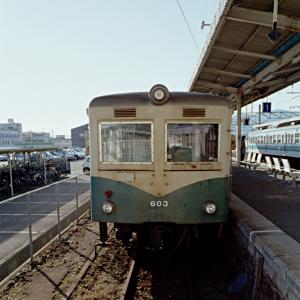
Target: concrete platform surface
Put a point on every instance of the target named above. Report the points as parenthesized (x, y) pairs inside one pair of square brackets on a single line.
[(275, 199)]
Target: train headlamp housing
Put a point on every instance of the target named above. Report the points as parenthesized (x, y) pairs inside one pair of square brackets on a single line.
[(159, 94), (210, 207), (108, 207)]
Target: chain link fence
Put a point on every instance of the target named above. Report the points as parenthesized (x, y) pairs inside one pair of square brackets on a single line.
[(31, 220)]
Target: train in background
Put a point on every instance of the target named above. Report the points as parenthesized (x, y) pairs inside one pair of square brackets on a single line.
[(280, 139), (160, 164)]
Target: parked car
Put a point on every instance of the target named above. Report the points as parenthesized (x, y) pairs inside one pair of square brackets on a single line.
[(69, 154), (78, 154), (86, 165), (3, 157)]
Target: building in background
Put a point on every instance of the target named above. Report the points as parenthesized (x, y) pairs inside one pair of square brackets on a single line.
[(79, 135), (62, 142), (37, 139), (10, 134)]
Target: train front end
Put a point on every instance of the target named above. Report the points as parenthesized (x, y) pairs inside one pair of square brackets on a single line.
[(159, 160)]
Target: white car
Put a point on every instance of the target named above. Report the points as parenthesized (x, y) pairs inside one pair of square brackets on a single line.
[(86, 165), (3, 157)]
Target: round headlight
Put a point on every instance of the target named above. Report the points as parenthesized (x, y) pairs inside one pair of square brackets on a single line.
[(107, 208), (210, 207), (159, 94)]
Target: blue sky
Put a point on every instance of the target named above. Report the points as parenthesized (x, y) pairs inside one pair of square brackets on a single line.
[(55, 56)]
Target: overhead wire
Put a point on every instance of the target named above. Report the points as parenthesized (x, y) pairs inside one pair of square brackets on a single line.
[(188, 26)]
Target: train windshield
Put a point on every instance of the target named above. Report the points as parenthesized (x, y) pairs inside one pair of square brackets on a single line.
[(126, 142), (190, 142)]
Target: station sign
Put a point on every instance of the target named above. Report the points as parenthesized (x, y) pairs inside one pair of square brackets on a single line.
[(266, 107)]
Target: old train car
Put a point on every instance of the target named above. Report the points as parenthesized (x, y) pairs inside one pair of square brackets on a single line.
[(280, 138), (160, 161)]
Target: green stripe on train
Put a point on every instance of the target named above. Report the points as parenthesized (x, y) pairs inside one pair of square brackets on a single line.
[(185, 205)]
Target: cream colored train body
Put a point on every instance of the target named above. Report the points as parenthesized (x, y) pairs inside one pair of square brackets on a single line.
[(159, 161)]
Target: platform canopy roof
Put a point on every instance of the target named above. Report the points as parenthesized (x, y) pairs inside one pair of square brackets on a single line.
[(240, 59)]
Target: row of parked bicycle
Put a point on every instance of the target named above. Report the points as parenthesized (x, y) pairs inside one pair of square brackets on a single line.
[(275, 165), (28, 176)]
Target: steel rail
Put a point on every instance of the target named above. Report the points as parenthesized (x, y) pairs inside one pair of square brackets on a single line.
[(125, 289), (84, 269)]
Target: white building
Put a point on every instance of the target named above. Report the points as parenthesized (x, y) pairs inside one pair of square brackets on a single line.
[(62, 142), (37, 139), (10, 134)]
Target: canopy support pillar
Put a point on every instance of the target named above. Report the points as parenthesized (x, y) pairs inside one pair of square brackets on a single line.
[(238, 128)]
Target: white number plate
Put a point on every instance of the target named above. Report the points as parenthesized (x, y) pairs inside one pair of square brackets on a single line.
[(159, 203)]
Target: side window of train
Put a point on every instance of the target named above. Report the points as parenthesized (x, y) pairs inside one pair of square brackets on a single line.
[(297, 137), (192, 142)]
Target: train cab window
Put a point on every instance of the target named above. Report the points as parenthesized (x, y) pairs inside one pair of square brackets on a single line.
[(192, 142), (124, 142)]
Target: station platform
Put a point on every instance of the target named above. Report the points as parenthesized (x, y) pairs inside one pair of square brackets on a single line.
[(277, 200)]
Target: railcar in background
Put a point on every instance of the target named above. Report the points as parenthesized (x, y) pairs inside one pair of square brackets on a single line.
[(160, 164), (280, 139)]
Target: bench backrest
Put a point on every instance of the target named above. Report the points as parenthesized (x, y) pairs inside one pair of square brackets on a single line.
[(258, 160), (286, 165), (253, 158), (248, 157), (277, 164), (269, 162)]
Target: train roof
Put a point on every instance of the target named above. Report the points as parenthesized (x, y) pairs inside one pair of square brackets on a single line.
[(280, 123), (140, 99)]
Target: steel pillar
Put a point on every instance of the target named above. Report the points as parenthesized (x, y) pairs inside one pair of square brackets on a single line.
[(10, 175), (238, 128)]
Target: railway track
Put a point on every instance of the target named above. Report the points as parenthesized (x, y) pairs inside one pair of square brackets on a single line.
[(85, 267), (141, 282), (190, 274), (129, 281), (74, 269)]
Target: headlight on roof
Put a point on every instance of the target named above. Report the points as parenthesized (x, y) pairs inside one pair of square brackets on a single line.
[(159, 94), (210, 207)]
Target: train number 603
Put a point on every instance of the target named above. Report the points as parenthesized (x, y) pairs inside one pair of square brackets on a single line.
[(159, 203)]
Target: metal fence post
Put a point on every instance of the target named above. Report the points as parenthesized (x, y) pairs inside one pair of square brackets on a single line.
[(11, 176), (28, 197), (76, 195), (45, 171), (58, 213)]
